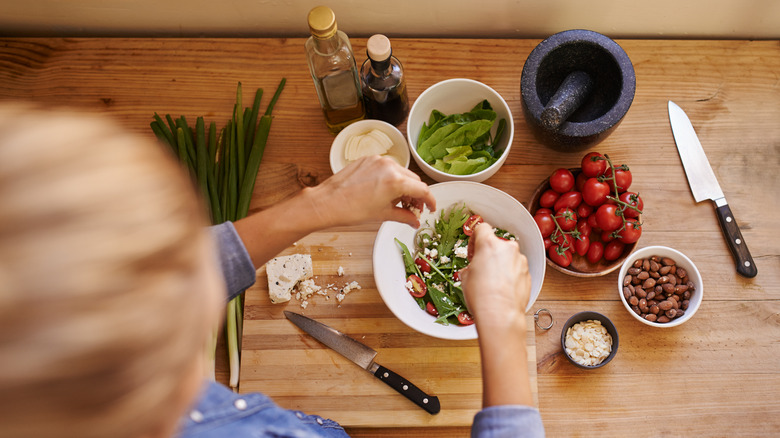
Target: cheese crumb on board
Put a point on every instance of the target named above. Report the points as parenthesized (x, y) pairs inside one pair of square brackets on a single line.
[(284, 273), (349, 287), (588, 342)]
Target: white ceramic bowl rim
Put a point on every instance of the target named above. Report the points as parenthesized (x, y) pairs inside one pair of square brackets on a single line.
[(432, 89), (680, 259)]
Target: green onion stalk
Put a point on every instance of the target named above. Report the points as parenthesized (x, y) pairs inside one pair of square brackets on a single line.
[(225, 168)]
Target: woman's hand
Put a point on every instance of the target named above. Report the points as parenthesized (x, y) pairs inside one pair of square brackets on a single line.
[(370, 189)]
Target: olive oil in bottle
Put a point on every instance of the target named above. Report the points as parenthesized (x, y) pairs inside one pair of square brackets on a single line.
[(333, 69), (384, 85)]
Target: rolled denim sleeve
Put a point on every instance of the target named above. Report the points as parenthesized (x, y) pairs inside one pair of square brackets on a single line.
[(237, 267), (508, 421)]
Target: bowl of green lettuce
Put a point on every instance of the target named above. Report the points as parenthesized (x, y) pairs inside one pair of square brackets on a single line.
[(460, 130)]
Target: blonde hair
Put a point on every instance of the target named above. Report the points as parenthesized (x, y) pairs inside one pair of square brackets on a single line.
[(101, 244)]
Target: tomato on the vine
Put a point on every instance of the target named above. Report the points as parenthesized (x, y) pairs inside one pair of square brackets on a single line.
[(632, 232), (607, 236), (547, 243), (592, 222), (584, 210), (465, 318), (583, 227), (622, 177), (570, 199), (471, 223), (562, 180), (595, 192), (613, 250), (430, 308), (548, 198), (633, 200), (594, 164), (595, 252), (418, 287), (423, 264), (562, 258), (563, 240), (545, 222), (607, 218), (581, 245), (579, 181), (566, 218)]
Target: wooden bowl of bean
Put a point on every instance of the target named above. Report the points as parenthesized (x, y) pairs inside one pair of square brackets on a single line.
[(580, 266), (660, 286)]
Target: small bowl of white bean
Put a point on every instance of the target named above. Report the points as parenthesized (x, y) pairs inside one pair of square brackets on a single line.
[(589, 340)]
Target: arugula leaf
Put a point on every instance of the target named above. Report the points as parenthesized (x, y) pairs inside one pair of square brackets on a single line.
[(411, 267)]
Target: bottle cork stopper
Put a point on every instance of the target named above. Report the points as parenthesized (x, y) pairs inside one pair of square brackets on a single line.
[(322, 22), (378, 48)]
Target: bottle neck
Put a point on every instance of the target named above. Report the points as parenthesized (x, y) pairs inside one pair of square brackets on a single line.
[(381, 68), (326, 45)]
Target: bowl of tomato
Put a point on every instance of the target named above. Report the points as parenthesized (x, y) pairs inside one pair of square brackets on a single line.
[(588, 217)]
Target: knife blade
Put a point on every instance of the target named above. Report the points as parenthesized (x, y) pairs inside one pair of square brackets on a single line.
[(704, 185), (363, 356)]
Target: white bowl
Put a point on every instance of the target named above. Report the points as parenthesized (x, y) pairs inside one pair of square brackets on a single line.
[(680, 260), (497, 208), (399, 152), (458, 96)]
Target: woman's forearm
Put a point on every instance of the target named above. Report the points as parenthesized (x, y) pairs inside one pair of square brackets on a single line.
[(504, 364)]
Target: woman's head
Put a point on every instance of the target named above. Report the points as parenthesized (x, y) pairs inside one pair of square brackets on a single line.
[(107, 285)]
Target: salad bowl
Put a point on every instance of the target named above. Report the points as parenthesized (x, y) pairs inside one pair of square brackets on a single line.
[(496, 207)]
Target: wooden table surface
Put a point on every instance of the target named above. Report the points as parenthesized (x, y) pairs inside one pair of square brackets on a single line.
[(716, 375)]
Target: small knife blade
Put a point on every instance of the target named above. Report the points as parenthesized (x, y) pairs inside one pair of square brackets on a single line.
[(363, 356), (704, 185)]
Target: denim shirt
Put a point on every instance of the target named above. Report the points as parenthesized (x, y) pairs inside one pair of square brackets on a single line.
[(221, 413)]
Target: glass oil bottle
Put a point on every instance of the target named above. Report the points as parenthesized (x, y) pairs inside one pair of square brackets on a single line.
[(384, 85), (333, 69)]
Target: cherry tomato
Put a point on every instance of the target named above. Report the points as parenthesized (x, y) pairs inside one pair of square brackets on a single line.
[(562, 258), (545, 223), (594, 164), (566, 218), (563, 240), (614, 250), (595, 192), (543, 210), (632, 232), (592, 222), (569, 199), (595, 252), (579, 182), (423, 264), (562, 180), (581, 245), (633, 200), (584, 210), (418, 288), (456, 275), (471, 223), (548, 198), (430, 308), (583, 227), (547, 243), (607, 218), (606, 236), (622, 178), (465, 318)]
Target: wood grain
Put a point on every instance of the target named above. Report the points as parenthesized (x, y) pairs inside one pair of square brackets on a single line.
[(716, 375)]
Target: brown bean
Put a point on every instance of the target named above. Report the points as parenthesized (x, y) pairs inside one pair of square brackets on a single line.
[(639, 292), (668, 288), (663, 319), (659, 289), (655, 275), (643, 305), (636, 310), (671, 313), (663, 279), (681, 287), (650, 317), (686, 295), (627, 280), (633, 271), (654, 266), (631, 288), (673, 271), (644, 275), (635, 281), (685, 304), (638, 263), (680, 313), (663, 305), (652, 302), (649, 283), (650, 295), (690, 285), (626, 293), (666, 261), (681, 273), (654, 309), (655, 259), (646, 265), (673, 279), (665, 270), (633, 301)]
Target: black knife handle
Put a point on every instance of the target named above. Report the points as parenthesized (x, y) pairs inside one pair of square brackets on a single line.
[(745, 265), (413, 393)]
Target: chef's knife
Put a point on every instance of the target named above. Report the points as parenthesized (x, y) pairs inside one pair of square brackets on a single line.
[(704, 185), (363, 356)]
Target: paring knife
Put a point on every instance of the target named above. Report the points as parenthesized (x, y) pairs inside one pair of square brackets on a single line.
[(363, 356), (704, 185)]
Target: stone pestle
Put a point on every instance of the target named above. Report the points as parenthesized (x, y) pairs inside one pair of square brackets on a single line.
[(572, 93)]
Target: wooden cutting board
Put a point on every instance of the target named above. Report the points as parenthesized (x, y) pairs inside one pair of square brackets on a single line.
[(298, 372)]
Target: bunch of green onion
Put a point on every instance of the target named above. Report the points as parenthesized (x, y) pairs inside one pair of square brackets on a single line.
[(225, 171)]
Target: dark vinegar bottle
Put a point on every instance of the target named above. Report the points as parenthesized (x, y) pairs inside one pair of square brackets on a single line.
[(383, 82)]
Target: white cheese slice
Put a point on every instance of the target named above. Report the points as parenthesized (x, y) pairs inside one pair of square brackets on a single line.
[(284, 273)]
